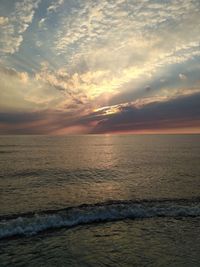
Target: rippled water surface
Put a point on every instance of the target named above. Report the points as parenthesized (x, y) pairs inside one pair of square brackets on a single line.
[(130, 200)]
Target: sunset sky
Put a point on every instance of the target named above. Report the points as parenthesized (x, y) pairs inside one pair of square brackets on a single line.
[(97, 66)]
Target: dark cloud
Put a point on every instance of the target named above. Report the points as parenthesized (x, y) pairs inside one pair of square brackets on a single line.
[(183, 111), (43, 122), (20, 117), (180, 112)]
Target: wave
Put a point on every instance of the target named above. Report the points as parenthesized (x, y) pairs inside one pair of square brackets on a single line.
[(32, 223)]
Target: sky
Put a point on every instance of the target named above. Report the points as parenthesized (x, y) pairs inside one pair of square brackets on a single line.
[(99, 66)]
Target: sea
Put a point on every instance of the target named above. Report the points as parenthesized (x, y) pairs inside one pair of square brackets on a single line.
[(100, 200)]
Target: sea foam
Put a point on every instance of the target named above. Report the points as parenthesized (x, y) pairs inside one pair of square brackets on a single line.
[(33, 223)]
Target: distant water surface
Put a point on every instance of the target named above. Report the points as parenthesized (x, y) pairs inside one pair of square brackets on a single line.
[(143, 190)]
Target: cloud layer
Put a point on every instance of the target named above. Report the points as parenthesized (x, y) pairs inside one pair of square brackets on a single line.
[(99, 66)]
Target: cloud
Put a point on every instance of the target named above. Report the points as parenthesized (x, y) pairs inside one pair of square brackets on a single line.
[(41, 22), (180, 112), (182, 77), (62, 82), (84, 63), (21, 92), (55, 5), (130, 41), (124, 23), (3, 21), (20, 117), (40, 122), (13, 27)]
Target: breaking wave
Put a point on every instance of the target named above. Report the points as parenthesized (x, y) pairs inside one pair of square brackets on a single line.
[(32, 223)]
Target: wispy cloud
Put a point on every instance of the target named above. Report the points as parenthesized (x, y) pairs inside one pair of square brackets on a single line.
[(21, 92), (55, 5), (13, 26), (131, 41)]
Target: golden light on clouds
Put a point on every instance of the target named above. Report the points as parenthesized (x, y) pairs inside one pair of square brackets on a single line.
[(83, 58)]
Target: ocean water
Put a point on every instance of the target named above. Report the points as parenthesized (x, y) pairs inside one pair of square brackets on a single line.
[(100, 200)]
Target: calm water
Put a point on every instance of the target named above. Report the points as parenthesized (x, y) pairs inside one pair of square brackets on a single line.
[(100, 200)]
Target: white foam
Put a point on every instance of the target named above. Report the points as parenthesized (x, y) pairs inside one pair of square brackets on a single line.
[(31, 225)]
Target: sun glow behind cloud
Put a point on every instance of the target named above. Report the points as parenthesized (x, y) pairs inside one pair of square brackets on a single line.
[(73, 66)]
